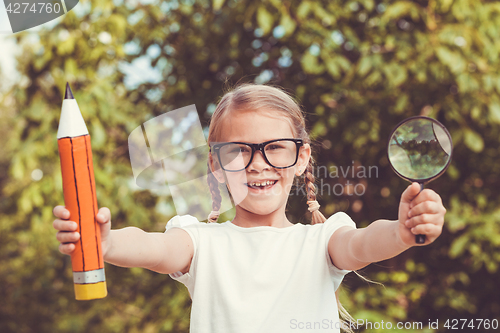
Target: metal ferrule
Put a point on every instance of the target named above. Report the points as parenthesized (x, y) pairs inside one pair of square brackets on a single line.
[(89, 277)]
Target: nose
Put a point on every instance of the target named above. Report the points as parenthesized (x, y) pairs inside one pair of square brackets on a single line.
[(258, 163)]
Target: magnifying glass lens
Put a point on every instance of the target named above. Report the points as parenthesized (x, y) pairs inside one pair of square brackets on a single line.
[(419, 149)]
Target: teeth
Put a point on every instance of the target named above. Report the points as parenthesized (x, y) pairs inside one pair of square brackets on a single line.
[(267, 182)]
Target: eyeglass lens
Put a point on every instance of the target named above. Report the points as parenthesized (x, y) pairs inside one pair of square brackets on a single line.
[(236, 156)]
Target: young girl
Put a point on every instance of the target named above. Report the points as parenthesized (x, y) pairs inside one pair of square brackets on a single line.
[(259, 272)]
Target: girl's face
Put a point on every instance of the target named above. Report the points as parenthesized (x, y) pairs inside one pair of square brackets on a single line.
[(256, 127)]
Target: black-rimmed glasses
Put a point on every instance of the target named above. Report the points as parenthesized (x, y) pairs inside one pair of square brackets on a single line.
[(237, 156)]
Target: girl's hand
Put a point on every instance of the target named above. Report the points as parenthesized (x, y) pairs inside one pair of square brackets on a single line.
[(68, 235), (420, 213)]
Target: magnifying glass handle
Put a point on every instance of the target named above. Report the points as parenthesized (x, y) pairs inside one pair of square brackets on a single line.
[(420, 239)]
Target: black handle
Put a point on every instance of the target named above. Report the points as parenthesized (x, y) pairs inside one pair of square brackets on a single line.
[(420, 239)]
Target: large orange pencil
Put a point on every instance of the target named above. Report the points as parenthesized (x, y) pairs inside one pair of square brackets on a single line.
[(80, 199)]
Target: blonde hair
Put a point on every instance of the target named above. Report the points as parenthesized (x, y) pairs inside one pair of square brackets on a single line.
[(248, 96)]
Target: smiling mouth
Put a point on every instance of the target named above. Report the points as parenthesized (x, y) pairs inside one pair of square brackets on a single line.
[(261, 185)]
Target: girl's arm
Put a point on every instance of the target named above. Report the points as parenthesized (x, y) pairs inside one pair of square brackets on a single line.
[(165, 253), (130, 247), (419, 213)]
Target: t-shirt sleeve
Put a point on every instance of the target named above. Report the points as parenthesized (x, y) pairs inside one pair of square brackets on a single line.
[(332, 224), (187, 223), (181, 221)]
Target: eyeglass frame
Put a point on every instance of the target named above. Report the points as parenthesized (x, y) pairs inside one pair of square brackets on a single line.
[(258, 146)]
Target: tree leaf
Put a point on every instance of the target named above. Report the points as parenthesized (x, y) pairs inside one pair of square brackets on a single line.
[(401, 104), (395, 74), (473, 140), (364, 66), (458, 246), (303, 9), (217, 4), (495, 112), (399, 9), (452, 60), (311, 64), (265, 20), (288, 24)]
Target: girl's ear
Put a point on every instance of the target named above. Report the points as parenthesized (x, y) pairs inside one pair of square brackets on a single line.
[(216, 169), (303, 159)]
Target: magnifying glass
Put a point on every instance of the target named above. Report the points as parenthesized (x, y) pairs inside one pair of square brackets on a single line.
[(419, 150)]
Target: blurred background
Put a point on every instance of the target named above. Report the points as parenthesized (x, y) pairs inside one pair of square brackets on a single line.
[(357, 68)]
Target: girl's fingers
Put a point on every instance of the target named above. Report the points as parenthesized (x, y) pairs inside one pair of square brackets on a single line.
[(67, 237), (425, 195), (67, 248), (426, 207), (423, 219), (63, 225), (104, 215), (430, 230), (61, 212), (410, 193)]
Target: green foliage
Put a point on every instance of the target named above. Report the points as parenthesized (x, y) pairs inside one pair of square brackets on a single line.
[(357, 67)]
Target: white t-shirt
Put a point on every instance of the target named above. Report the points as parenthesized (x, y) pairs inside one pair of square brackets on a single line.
[(262, 279)]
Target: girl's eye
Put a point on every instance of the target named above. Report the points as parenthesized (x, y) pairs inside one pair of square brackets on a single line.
[(274, 147), (239, 149)]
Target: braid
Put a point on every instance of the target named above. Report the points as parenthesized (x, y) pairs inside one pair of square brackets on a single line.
[(309, 179), (213, 184)]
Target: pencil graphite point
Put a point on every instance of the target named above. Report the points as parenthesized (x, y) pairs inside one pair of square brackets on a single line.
[(69, 93)]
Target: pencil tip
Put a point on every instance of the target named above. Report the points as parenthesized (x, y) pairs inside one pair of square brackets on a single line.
[(69, 93)]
